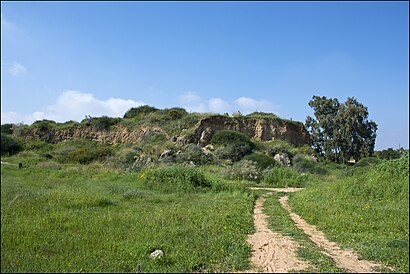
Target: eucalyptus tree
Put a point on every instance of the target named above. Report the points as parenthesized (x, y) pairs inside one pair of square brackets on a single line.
[(340, 132)]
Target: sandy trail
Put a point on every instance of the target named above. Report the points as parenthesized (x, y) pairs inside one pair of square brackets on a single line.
[(345, 259), (272, 252)]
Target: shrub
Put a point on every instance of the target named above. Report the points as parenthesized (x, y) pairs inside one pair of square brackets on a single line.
[(282, 177), (176, 113), (130, 157), (9, 145), (302, 165), (174, 179), (193, 153), (228, 137), (103, 122), (44, 124), (84, 155), (153, 138), (388, 154), (7, 128), (387, 180), (368, 161), (259, 114), (139, 111), (263, 161), (244, 170), (233, 145), (279, 146)]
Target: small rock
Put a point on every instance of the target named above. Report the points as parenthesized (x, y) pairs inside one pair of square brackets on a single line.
[(157, 254)]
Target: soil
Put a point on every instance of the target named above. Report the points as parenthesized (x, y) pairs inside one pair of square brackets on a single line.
[(273, 252), (345, 259)]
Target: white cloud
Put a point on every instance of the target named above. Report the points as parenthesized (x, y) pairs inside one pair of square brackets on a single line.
[(15, 118), (74, 105), (17, 69), (248, 105), (192, 102), (218, 105), (189, 98)]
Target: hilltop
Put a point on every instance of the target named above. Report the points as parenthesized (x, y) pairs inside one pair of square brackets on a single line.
[(173, 124)]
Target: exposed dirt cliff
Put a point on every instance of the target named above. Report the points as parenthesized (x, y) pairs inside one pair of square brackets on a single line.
[(264, 129), (116, 135)]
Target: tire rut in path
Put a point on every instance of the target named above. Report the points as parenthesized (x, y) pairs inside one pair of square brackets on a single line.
[(345, 259), (272, 252)]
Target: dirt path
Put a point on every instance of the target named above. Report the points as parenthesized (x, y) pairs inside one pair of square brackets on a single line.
[(5, 163), (272, 252), (344, 259)]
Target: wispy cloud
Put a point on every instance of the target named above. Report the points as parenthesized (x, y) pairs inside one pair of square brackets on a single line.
[(218, 105), (190, 97), (16, 69), (74, 105), (249, 105), (191, 101)]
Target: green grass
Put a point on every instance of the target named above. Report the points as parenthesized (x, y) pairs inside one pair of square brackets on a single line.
[(280, 221), (369, 212), (74, 220)]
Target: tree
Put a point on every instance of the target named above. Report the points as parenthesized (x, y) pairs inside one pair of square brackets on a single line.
[(9, 145), (341, 131)]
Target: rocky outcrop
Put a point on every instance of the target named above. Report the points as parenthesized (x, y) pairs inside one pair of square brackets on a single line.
[(264, 129)]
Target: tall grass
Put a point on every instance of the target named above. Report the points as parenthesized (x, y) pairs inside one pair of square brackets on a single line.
[(369, 212), (73, 220)]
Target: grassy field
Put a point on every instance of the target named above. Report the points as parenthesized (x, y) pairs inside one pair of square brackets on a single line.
[(368, 212), (78, 206), (79, 220)]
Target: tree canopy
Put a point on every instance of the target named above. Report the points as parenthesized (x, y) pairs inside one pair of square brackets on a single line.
[(341, 131)]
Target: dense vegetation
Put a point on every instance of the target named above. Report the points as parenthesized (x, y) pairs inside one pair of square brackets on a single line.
[(341, 131), (83, 206)]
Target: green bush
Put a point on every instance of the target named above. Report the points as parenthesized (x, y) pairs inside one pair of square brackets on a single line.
[(387, 180), (153, 138), (231, 144), (175, 179), (130, 157), (193, 153), (229, 137), (103, 122), (258, 114), (139, 112), (44, 124), (263, 161), (85, 154), (9, 145), (282, 177), (176, 113), (368, 161), (388, 154), (302, 165), (244, 170), (7, 128)]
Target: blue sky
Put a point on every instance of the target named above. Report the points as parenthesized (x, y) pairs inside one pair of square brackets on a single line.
[(65, 60)]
